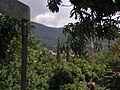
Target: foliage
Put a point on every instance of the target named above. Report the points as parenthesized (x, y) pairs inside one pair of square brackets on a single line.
[(111, 58), (65, 73), (67, 52), (10, 64), (93, 72), (76, 86), (95, 22), (45, 73), (58, 50), (8, 29), (53, 5)]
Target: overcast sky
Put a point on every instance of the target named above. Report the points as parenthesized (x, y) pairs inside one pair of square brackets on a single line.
[(41, 14)]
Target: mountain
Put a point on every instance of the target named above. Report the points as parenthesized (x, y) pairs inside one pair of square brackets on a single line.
[(48, 36)]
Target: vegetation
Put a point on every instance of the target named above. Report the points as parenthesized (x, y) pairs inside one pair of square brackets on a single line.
[(95, 22), (48, 36), (58, 50), (44, 72)]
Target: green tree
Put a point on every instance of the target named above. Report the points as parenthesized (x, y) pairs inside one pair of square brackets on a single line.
[(111, 58), (58, 50), (65, 74), (10, 62), (95, 21), (8, 29)]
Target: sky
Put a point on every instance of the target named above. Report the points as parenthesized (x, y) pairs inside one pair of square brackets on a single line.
[(41, 14)]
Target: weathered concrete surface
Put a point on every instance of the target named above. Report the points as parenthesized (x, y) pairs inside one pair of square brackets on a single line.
[(15, 9)]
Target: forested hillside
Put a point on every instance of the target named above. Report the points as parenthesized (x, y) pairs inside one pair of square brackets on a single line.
[(48, 35)]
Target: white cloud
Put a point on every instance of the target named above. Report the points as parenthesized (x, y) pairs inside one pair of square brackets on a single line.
[(41, 14), (65, 21), (53, 19), (46, 19), (45, 16)]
